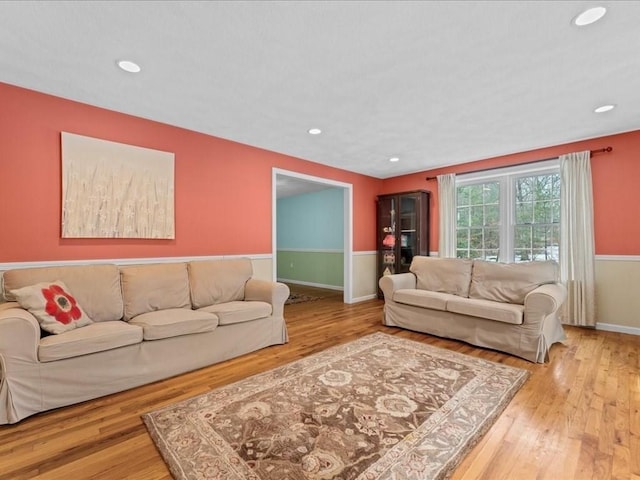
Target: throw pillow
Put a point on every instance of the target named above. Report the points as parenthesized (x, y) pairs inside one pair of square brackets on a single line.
[(446, 275), (510, 282), (54, 307)]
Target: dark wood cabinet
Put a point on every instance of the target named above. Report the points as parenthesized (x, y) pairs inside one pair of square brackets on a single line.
[(402, 230)]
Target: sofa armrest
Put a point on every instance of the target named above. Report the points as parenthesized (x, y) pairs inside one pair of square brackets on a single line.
[(19, 334), (8, 305), (544, 301), (275, 293), (390, 283)]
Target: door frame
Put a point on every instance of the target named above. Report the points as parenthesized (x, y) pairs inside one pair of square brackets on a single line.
[(347, 189)]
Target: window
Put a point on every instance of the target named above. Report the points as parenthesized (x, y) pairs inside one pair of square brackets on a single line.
[(509, 214)]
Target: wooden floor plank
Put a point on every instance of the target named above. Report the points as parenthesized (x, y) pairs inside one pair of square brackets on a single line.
[(577, 416)]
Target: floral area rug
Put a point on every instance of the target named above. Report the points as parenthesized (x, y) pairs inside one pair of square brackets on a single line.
[(380, 407), (300, 298)]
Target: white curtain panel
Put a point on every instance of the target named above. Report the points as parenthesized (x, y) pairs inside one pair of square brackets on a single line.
[(447, 215), (577, 239)]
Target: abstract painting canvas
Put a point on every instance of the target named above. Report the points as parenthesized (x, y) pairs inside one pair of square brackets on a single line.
[(114, 190)]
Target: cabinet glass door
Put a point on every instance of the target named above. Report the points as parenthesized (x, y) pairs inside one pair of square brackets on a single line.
[(387, 239), (408, 220)]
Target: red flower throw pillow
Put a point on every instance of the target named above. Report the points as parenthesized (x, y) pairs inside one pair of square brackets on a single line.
[(53, 305)]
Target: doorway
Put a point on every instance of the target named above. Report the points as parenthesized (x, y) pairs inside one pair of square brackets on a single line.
[(286, 182)]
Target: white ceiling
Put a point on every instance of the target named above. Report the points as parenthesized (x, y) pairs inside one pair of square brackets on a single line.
[(287, 186), (435, 83)]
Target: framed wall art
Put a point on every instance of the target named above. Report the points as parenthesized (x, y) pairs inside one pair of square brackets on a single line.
[(114, 190)]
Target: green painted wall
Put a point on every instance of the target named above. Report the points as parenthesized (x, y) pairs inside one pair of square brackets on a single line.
[(322, 268)]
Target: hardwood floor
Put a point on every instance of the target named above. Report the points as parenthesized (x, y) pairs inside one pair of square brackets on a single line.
[(577, 417)]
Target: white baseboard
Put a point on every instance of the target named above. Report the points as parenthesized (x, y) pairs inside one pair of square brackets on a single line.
[(311, 250), (611, 327), (364, 298), (310, 284)]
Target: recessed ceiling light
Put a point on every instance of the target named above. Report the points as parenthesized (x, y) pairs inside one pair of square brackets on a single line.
[(604, 108), (394, 159), (315, 131), (129, 66), (589, 16)]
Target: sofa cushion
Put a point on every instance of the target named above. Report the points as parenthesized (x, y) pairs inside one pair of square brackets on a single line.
[(218, 281), (500, 312), (238, 312), (174, 322), (96, 337), (53, 305), (158, 286), (510, 282), (95, 287), (422, 298), (446, 275)]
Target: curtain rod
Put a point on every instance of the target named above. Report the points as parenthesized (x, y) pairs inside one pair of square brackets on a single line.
[(593, 152)]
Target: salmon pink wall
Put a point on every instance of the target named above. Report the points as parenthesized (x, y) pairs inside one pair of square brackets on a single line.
[(615, 175), (222, 188)]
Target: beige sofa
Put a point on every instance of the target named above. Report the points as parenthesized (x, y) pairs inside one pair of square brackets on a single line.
[(148, 322), (508, 307)]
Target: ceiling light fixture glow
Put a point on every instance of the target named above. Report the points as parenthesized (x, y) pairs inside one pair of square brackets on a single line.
[(394, 159), (589, 16), (129, 66), (604, 108), (315, 131)]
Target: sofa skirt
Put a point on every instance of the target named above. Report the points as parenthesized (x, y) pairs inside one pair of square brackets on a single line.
[(531, 342)]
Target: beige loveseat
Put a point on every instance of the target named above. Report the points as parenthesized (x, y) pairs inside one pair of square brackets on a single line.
[(148, 322), (508, 307)]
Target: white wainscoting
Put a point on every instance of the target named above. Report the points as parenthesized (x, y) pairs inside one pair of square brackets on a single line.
[(618, 293), (262, 262), (365, 285)]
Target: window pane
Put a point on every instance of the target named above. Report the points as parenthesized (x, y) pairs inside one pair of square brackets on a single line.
[(463, 217), (545, 242), (536, 234), (491, 255), (524, 189), (491, 238), (463, 196), (475, 194), (555, 211), (544, 187), (522, 236), (475, 238), (477, 216), (542, 212), (492, 215), (491, 192), (475, 254), (553, 249), (524, 213), (478, 221), (463, 238), (555, 190)]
